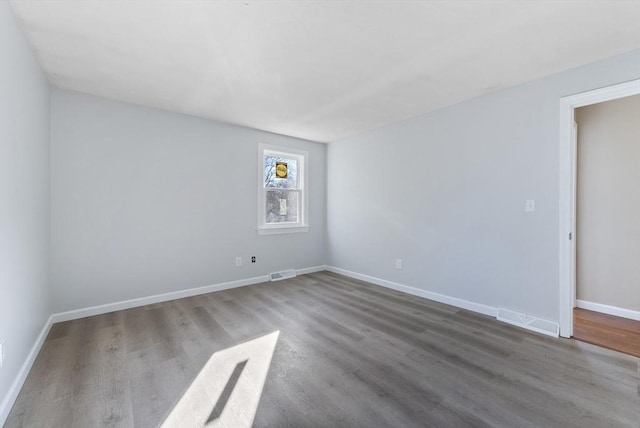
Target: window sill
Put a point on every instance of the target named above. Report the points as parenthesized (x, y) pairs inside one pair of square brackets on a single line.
[(275, 230)]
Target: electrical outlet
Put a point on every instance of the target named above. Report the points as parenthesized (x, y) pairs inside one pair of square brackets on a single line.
[(253, 259), (238, 261), (398, 263), (530, 205), (1, 354)]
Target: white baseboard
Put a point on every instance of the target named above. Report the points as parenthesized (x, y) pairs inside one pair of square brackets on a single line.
[(533, 324), (313, 269), (16, 386), (9, 400), (610, 310), (165, 297), (453, 301), (158, 298)]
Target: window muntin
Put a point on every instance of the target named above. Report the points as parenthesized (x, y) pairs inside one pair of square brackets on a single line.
[(282, 192)]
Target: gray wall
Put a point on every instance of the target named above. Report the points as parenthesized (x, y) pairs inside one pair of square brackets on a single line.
[(25, 300), (608, 211), (446, 193), (147, 202)]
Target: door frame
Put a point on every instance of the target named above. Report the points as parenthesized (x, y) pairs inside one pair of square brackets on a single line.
[(567, 192)]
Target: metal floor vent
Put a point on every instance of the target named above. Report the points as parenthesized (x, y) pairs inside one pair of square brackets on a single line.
[(285, 274), (549, 328)]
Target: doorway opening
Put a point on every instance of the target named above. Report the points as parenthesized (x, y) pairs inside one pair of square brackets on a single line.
[(568, 193), (607, 306)]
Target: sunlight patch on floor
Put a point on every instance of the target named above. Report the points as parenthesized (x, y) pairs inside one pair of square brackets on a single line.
[(227, 391)]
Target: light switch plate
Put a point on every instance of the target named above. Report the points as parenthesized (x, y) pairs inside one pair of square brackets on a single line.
[(530, 205)]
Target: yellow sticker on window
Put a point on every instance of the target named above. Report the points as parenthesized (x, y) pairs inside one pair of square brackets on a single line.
[(281, 170)]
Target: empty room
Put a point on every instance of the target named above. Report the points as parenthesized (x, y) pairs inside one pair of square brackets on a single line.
[(319, 213)]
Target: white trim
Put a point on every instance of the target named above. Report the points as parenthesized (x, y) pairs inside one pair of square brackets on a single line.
[(303, 191), (453, 301), (537, 325), (16, 386), (609, 310), (165, 297), (275, 230), (158, 298), (574, 209), (312, 269), (566, 180)]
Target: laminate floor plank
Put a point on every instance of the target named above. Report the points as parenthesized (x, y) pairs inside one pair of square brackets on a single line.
[(443, 326), (303, 355), (347, 354), (461, 398), (427, 308), (344, 375)]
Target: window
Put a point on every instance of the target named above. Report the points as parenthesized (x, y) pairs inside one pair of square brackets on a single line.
[(282, 190)]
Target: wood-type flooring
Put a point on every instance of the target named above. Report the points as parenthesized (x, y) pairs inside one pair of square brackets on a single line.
[(319, 350), (619, 334)]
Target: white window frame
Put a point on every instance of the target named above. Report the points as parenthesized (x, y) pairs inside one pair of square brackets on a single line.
[(302, 157)]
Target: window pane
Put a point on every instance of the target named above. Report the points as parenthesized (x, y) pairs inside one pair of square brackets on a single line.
[(280, 172), (281, 206)]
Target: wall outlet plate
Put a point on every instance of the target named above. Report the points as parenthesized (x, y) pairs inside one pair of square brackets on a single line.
[(530, 205), (398, 263), (238, 261), (2, 347)]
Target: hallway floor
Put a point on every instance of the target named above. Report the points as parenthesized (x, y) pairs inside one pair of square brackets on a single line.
[(609, 331)]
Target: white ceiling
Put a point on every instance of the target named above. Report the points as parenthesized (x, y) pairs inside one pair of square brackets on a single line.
[(319, 70)]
